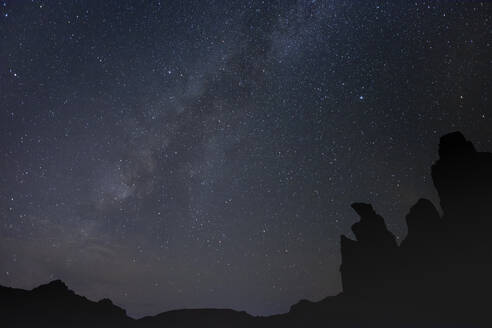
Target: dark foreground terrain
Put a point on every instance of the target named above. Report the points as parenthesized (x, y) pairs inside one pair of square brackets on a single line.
[(439, 276)]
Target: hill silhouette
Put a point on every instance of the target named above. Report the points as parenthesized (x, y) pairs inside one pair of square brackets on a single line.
[(440, 275), (54, 305)]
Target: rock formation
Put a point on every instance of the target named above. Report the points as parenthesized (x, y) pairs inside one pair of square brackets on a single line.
[(443, 266), (372, 253)]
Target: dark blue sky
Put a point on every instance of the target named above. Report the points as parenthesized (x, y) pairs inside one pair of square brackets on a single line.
[(170, 154)]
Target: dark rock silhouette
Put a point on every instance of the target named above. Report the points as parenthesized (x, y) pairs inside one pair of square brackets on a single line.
[(462, 177), (440, 275), (201, 317), (441, 271), (421, 263), (54, 305), (371, 254), (424, 226)]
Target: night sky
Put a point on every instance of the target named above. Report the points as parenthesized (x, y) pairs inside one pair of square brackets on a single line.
[(171, 154)]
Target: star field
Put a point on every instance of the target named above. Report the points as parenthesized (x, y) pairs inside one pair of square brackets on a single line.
[(171, 154)]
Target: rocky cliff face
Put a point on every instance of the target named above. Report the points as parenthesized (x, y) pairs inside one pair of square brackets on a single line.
[(444, 263), (462, 177)]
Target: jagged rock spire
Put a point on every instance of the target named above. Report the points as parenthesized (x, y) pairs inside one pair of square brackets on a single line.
[(365, 261)]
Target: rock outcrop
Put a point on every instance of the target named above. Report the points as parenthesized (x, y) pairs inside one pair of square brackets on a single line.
[(443, 266), (373, 253)]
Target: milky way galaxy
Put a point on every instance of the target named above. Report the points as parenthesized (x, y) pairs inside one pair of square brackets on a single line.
[(170, 154)]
